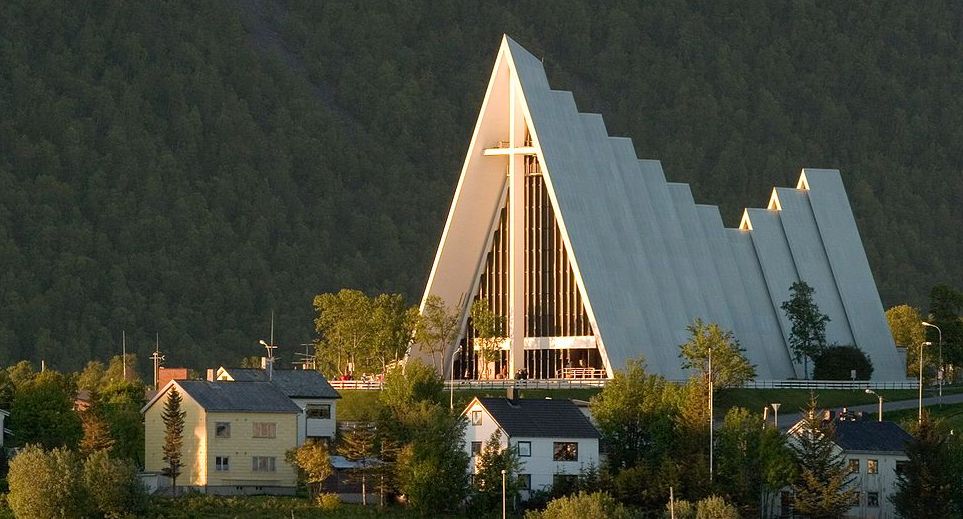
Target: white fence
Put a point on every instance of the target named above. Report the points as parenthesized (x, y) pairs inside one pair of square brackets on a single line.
[(590, 383)]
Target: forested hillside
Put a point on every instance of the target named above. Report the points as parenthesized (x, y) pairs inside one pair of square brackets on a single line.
[(183, 168)]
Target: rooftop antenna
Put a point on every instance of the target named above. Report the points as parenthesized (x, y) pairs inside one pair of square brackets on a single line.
[(270, 350), (157, 358)]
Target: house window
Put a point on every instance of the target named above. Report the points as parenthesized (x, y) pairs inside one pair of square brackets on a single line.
[(476, 448), (872, 499), (222, 463), (565, 451), (524, 449), (222, 429), (265, 429), (855, 501), (872, 467), (263, 464), (318, 411), (854, 466), (524, 481), (476, 417)]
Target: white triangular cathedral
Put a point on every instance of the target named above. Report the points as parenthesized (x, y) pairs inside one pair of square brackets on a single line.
[(593, 258)]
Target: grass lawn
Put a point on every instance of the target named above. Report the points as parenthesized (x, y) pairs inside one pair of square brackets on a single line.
[(950, 414)]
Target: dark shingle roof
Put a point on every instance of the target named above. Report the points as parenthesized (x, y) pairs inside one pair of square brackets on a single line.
[(255, 397), (533, 418), (870, 436), (295, 383)]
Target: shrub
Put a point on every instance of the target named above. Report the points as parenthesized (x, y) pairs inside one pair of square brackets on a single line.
[(328, 501), (47, 484), (113, 485), (715, 507), (598, 504), (683, 510), (836, 362)]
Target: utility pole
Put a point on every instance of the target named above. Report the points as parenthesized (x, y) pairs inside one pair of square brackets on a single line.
[(711, 444), (123, 357), (157, 358), (270, 350)]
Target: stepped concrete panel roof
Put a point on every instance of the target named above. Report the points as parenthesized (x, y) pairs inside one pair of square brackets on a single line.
[(534, 418), (295, 383), (224, 396)]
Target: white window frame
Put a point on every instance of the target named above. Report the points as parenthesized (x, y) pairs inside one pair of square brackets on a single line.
[(224, 427), (476, 417), (265, 430), (222, 463), (524, 449), (263, 464)]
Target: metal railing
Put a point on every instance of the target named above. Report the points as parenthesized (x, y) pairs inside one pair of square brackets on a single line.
[(568, 383)]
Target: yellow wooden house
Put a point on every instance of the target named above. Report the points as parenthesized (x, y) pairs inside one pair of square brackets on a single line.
[(235, 437)]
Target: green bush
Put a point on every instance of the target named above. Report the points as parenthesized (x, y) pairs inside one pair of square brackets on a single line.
[(581, 505), (113, 486), (328, 501), (47, 484), (837, 361)]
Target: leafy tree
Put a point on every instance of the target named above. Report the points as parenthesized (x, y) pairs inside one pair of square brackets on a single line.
[(21, 373), (413, 382), (753, 461), (173, 418), (489, 329), (357, 445), (437, 329), (946, 311), (432, 466), (905, 325), (487, 482), (715, 507), (315, 464), (121, 404), (822, 488), (47, 484), (97, 435), (91, 378), (113, 485), (808, 336), (926, 486), (120, 365), (394, 324), (730, 368), (344, 327), (634, 413), (43, 412), (583, 504), (836, 363)]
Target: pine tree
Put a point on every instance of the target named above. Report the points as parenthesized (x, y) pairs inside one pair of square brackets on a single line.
[(97, 436), (173, 436), (821, 489), (924, 488), (808, 336)]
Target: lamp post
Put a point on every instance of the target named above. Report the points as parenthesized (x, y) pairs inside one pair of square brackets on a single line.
[(451, 383), (503, 493), (710, 416), (880, 413), (920, 414), (775, 419), (940, 372)]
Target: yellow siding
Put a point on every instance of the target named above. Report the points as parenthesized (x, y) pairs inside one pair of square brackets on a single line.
[(241, 447), (193, 471)]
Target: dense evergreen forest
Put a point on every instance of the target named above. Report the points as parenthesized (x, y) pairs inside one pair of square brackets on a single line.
[(185, 168)]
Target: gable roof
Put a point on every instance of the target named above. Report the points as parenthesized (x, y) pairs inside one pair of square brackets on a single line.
[(221, 396), (531, 418), (870, 436), (295, 383)]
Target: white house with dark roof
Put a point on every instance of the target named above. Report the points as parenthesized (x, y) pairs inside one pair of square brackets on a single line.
[(553, 437), (307, 388), (235, 437), (876, 452)]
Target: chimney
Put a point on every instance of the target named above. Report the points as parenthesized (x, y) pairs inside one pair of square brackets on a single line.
[(210, 374), (264, 362), (829, 416), (510, 394)]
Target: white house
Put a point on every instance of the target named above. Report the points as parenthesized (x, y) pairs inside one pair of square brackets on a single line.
[(553, 438), (875, 451), (3, 430), (306, 388)]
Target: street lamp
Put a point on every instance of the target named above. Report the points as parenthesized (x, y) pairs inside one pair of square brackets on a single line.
[(775, 408), (710, 415), (920, 415), (452, 382), (880, 413), (940, 374), (503, 493)]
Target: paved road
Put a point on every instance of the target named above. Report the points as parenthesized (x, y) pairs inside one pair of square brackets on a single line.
[(789, 419)]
